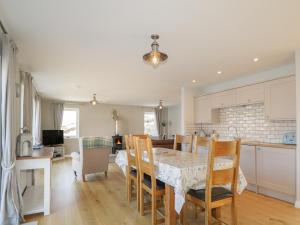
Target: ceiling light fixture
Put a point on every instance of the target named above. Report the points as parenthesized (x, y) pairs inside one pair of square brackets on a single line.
[(219, 72), (160, 105), (94, 101), (155, 57), (194, 81), (255, 59)]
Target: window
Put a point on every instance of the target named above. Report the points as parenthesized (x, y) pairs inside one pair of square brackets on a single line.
[(70, 123), (150, 126)]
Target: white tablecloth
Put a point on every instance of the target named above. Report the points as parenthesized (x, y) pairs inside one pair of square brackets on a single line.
[(182, 170)]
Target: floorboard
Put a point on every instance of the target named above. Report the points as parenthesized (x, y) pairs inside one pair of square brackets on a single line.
[(102, 201)]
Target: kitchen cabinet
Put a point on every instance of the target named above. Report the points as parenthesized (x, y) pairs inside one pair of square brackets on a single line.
[(248, 165), (203, 110), (276, 172), (280, 99), (224, 99), (250, 94)]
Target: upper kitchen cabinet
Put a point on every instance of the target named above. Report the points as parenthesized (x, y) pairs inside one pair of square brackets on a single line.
[(224, 99), (203, 110), (280, 99), (250, 94)]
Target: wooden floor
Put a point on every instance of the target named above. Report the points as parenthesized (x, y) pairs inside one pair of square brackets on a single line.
[(103, 201)]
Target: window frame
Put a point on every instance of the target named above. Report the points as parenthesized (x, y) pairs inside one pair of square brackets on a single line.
[(77, 122)]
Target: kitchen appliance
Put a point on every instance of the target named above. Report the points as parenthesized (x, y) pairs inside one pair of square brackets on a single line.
[(24, 143), (289, 138)]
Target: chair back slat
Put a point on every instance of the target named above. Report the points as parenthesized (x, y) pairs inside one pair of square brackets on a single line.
[(181, 139), (222, 177), (225, 148)]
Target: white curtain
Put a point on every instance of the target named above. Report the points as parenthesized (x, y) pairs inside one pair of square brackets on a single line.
[(27, 106), (58, 115), (161, 116), (10, 195), (36, 120)]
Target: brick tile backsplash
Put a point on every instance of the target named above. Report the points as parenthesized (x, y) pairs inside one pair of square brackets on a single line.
[(250, 122)]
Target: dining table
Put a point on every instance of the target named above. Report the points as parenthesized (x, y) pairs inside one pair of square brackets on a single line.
[(181, 171)]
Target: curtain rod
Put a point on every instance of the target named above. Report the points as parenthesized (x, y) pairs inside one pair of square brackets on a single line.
[(2, 27)]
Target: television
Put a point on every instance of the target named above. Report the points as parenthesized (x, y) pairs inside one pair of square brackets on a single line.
[(53, 137)]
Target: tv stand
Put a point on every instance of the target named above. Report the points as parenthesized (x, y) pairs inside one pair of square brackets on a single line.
[(58, 152)]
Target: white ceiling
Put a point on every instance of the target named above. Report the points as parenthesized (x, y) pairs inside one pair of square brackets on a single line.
[(75, 48)]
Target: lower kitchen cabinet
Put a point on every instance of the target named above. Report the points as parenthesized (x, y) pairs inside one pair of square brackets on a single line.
[(276, 172), (270, 171), (248, 165)]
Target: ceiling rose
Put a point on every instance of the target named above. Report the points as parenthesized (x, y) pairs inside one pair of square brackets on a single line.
[(155, 57)]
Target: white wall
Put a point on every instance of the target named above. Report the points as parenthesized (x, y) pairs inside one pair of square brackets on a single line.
[(297, 66), (97, 120), (174, 120), (187, 108)]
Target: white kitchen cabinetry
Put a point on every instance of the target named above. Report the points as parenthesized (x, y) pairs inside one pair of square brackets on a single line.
[(250, 94), (280, 99), (224, 99), (203, 110), (248, 165), (276, 172)]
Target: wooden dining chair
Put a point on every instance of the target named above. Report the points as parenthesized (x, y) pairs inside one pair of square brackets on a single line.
[(132, 175), (148, 181), (183, 140), (214, 196)]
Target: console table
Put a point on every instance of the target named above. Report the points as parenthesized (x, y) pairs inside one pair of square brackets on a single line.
[(36, 199)]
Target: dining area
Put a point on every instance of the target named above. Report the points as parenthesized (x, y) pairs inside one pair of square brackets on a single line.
[(198, 176)]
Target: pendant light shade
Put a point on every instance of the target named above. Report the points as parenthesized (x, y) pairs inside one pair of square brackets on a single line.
[(94, 100), (155, 57)]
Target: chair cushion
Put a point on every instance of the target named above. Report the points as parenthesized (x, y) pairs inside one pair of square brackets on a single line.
[(217, 193), (148, 182)]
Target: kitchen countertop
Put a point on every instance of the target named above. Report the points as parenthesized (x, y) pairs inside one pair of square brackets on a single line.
[(264, 144)]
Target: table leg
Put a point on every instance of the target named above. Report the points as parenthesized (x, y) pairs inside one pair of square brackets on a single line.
[(47, 187), (216, 212), (170, 206)]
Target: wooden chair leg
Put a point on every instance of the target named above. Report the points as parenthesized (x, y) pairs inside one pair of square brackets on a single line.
[(216, 212), (153, 206), (195, 211), (128, 185), (142, 201), (83, 177), (183, 214), (105, 173), (208, 216), (234, 212), (137, 186)]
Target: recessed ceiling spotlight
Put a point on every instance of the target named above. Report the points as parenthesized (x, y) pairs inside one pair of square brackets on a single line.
[(194, 81), (255, 59), (219, 72)]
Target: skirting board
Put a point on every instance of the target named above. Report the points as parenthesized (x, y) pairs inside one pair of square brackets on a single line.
[(297, 204)]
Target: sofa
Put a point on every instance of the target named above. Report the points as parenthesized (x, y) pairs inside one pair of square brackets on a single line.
[(93, 156)]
